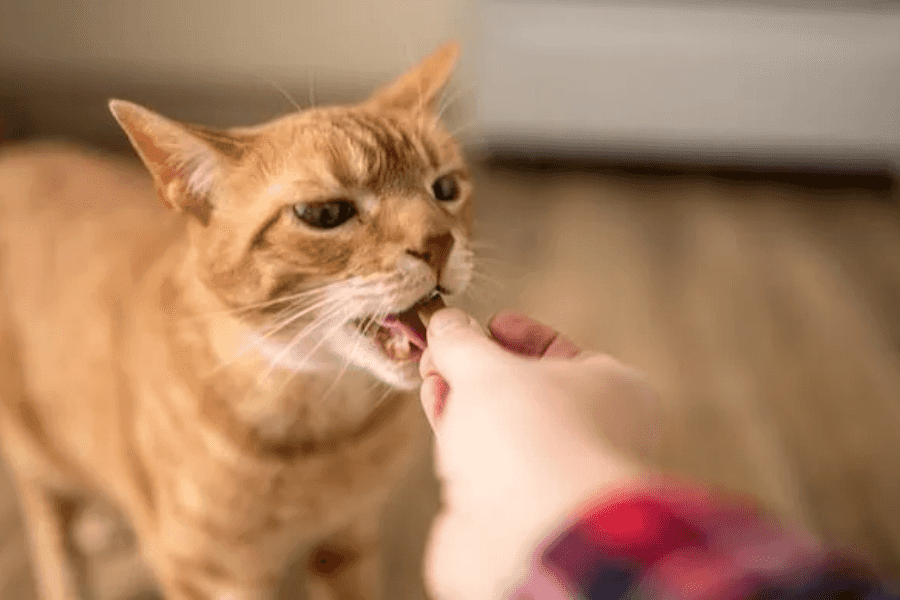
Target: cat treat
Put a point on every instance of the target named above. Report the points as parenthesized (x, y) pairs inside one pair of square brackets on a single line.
[(430, 306)]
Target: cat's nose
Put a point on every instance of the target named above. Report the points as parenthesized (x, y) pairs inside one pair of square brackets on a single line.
[(434, 252)]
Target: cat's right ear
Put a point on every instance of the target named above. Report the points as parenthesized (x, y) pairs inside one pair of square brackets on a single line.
[(186, 161)]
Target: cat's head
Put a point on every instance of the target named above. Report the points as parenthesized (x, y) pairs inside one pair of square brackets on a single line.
[(318, 228)]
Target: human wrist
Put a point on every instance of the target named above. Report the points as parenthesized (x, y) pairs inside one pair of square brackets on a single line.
[(554, 498), (661, 536)]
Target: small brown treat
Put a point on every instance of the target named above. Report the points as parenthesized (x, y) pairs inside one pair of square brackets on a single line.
[(429, 307)]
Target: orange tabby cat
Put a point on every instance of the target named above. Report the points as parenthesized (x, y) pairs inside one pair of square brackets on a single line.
[(215, 370)]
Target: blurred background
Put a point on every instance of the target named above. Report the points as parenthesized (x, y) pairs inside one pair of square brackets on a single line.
[(705, 189)]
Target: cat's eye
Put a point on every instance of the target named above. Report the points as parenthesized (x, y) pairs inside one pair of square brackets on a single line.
[(325, 215), (446, 188)]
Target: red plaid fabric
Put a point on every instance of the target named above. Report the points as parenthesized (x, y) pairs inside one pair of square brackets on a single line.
[(668, 542)]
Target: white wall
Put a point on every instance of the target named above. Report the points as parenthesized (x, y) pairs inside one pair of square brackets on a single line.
[(227, 41), (791, 82), (764, 79)]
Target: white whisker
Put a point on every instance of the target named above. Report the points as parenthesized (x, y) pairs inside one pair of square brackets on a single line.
[(285, 93), (324, 338), (485, 279), (456, 131), (483, 297), (317, 324), (311, 85), (484, 245), (281, 325), (377, 316), (383, 397), (249, 307), (448, 99), (486, 262), (261, 339)]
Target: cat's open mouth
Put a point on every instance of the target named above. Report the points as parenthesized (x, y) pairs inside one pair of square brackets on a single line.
[(401, 336)]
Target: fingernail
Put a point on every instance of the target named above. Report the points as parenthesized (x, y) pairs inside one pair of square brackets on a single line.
[(446, 319)]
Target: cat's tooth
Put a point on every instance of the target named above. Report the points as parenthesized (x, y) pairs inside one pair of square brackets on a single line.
[(402, 353), (399, 348)]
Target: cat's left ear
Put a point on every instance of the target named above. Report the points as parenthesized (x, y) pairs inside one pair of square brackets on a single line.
[(420, 87)]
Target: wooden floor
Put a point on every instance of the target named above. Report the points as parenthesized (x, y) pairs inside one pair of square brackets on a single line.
[(764, 312)]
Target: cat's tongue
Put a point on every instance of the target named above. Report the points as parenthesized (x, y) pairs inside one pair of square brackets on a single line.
[(409, 324)]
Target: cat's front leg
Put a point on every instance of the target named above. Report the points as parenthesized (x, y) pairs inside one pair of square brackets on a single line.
[(59, 573)]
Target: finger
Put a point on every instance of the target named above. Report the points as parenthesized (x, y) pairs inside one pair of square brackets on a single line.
[(426, 364), (458, 345), (428, 391), (523, 335), (562, 347)]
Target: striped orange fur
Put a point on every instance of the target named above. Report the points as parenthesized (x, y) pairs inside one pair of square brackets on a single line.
[(211, 370)]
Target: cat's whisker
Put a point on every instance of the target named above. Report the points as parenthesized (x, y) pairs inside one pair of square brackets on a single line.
[(274, 362), (294, 316), (311, 86), (375, 320), (292, 307), (326, 294), (486, 278), (377, 316), (385, 390), (250, 307), (388, 390), (500, 263), (459, 129), (280, 326), (285, 93), (491, 262), (448, 99), (315, 325), (484, 289), (277, 392), (493, 272), (487, 283), (481, 274), (480, 299), (483, 270), (347, 360), (482, 245), (324, 338), (261, 339)]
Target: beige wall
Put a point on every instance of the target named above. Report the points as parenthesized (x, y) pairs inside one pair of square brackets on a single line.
[(228, 41)]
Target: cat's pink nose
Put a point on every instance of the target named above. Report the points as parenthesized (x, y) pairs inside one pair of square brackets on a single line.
[(435, 251)]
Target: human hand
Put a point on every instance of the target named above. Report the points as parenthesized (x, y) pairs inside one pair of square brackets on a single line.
[(528, 427)]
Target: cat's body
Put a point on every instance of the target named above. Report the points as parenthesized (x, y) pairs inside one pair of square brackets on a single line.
[(138, 347)]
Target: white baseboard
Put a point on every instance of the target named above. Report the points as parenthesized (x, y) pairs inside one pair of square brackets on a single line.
[(732, 83)]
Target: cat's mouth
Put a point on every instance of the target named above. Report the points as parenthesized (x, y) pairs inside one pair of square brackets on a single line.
[(401, 336)]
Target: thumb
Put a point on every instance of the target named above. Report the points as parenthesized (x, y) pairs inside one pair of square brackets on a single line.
[(458, 345)]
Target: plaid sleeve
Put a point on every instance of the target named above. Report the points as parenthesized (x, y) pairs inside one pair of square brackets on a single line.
[(669, 542)]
